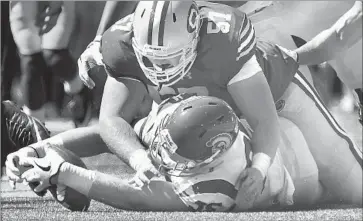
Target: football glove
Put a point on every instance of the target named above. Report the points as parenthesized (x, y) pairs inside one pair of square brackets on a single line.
[(42, 170), (89, 59), (13, 170)]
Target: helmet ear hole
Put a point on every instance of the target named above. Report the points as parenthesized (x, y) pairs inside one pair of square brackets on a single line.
[(219, 119), (142, 14), (174, 17), (202, 134)]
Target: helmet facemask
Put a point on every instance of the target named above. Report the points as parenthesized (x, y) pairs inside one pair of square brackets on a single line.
[(164, 156), (178, 44), (171, 75)]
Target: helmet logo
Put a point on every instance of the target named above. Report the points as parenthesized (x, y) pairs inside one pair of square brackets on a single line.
[(192, 19), (167, 141), (220, 142)]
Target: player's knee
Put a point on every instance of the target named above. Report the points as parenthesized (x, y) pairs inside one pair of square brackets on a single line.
[(61, 63), (27, 40)]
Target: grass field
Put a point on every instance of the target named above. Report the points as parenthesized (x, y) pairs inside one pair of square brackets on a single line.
[(22, 204)]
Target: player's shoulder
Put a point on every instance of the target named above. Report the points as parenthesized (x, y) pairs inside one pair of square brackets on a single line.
[(222, 20), (227, 39), (117, 52)]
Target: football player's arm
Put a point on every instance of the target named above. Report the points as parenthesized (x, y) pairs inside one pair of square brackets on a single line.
[(117, 192), (330, 42), (252, 95), (123, 101), (106, 19)]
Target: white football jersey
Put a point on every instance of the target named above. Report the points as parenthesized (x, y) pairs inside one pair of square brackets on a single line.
[(215, 190)]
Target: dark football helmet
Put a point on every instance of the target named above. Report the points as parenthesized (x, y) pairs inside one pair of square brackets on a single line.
[(191, 138)]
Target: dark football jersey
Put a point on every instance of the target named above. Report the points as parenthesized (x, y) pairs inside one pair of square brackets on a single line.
[(227, 41)]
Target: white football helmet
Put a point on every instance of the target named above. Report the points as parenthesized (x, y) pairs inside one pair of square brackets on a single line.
[(165, 39)]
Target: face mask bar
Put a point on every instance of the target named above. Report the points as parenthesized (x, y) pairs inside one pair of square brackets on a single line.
[(161, 154), (170, 75)]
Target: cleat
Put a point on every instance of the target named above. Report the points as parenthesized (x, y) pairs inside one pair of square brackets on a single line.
[(22, 129)]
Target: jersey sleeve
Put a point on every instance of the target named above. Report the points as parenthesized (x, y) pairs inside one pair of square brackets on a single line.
[(245, 64), (118, 55), (233, 41), (246, 38)]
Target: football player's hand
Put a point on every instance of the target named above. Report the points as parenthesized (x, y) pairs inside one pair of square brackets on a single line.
[(43, 170), (250, 185), (13, 169), (144, 174), (290, 53), (89, 59)]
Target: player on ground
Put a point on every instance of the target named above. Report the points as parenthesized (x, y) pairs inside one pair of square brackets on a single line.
[(201, 148), (42, 32), (226, 42), (216, 63), (273, 62)]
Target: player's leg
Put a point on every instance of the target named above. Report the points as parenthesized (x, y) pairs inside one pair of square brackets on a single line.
[(32, 64), (157, 196), (338, 159), (56, 21), (300, 164)]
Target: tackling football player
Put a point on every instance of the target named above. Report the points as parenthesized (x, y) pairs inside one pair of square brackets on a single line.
[(215, 62), (166, 48)]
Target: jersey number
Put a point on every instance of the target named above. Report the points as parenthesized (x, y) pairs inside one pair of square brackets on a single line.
[(218, 22)]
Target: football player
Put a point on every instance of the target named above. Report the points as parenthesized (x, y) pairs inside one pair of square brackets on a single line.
[(147, 55), (42, 32), (342, 36), (201, 147), (268, 55), (157, 57)]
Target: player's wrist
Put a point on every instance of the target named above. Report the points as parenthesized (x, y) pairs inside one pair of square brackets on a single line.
[(296, 57), (138, 158), (261, 162)]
